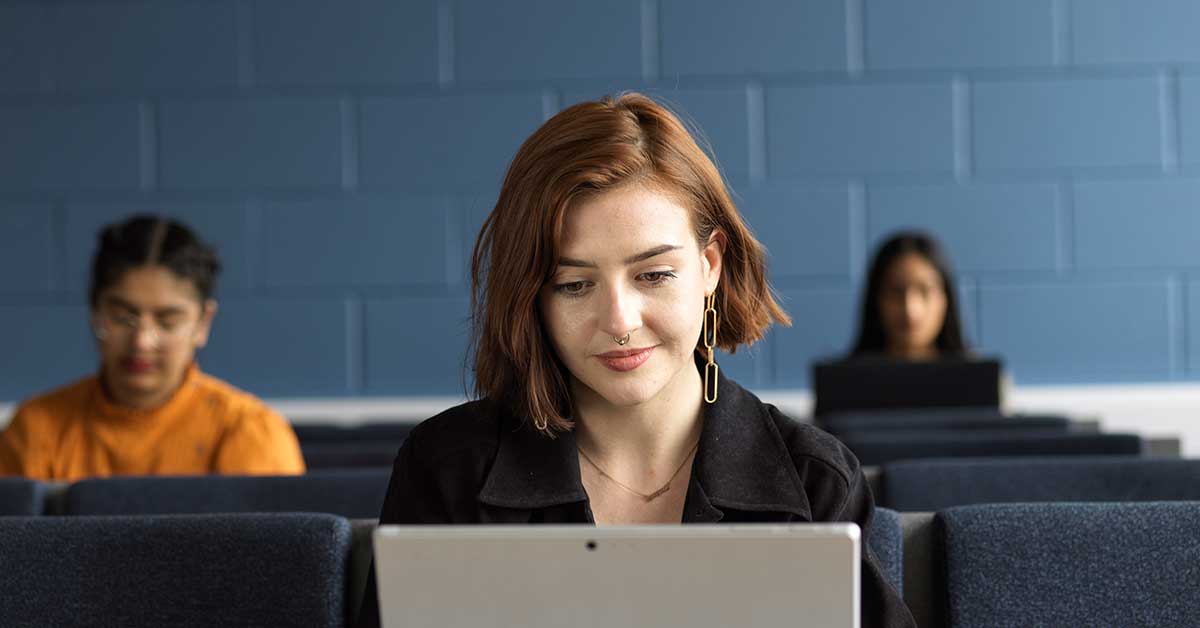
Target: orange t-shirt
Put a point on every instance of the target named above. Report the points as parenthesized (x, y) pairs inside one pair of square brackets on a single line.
[(207, 426)]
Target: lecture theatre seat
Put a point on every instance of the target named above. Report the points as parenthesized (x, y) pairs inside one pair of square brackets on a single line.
[(941, 419), (878, 448), (328, 456), (1085, 564), (392, 431), (349, 493), (279, 570), (21, 497), (887, 541), (936, 484)]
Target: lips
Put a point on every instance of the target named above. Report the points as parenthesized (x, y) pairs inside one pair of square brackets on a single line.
[(136, 365), (627, 360)]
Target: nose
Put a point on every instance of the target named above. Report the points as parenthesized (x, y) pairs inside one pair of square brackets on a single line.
[(145, 336), (914, 305), (622, 311)]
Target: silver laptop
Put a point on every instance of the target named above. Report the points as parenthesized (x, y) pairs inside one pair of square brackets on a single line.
[(622, 576)]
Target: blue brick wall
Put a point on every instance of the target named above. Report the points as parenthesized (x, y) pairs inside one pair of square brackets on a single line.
[(341, 156)]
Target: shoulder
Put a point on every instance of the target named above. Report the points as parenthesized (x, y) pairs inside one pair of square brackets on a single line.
[(806, 444), (442, 466), (230, 403), (824, 465), (57, 406), (470, 430)]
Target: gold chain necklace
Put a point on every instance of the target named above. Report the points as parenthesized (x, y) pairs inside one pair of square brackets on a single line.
[(647, 497)]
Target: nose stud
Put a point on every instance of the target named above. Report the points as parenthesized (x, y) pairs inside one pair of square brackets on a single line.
[(621, 341)]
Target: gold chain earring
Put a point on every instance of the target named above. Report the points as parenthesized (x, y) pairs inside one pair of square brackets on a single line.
[(710, 342)]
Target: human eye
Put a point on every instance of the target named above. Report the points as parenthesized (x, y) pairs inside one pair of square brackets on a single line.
[(128, 320), (571, 288), (657, 277)]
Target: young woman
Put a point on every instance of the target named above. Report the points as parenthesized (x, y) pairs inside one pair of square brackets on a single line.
[(611, 267), (149, 410), (909, 309)]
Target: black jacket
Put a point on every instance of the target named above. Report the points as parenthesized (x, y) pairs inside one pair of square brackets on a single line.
[(477, 464)]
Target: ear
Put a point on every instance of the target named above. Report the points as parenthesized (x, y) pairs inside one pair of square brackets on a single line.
[(209, 310), (711, 259)]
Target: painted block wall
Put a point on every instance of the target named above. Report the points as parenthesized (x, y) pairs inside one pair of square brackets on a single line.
[(342, 154)]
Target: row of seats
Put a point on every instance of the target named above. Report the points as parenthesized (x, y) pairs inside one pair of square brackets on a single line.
[(883, 447), (882, 437), (328, 446), (876, 438), (353, 493), (937, 484), (1115, 564), (907, 486)]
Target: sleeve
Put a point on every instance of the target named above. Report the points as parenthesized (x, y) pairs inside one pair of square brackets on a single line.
[(259, 442), (19, 451), (409, 500), (882, 606)]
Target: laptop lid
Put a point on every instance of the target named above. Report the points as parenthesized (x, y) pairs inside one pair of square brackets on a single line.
[(883, 384), (603, 577)]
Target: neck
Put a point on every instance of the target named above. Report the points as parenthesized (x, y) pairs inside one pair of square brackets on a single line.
[(135, 400), (916, 354), (646, 436)]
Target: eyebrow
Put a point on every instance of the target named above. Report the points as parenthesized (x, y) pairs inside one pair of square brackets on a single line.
[(125, 305), (633, 259)]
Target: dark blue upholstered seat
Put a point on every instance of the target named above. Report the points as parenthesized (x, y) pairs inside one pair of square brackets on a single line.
[(349, 493), (941, 419), (878, 448), (278, 570), (21, 497), (936, 484), (886, 539), (1081, 564)]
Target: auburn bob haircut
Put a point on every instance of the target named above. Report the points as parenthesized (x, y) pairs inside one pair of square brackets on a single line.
[(587, 149)]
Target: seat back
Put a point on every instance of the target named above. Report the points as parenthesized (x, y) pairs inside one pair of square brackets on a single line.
[(334, 455), (21, 497), (878, 448), (349, 493), (1084, 564), (391, 431), (929, 485), (886, 540), (941, 419), (277, 570)]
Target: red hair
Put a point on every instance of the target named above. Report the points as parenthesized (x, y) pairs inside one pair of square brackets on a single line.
[(587, 149)]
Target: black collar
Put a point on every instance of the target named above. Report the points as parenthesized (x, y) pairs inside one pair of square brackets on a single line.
[(742, 463)]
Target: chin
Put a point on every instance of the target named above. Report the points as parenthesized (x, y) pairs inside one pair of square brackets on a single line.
[(627, 398), (146, 383), (630, 389)]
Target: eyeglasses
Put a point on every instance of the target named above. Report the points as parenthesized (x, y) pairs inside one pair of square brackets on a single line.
[(120, 328)]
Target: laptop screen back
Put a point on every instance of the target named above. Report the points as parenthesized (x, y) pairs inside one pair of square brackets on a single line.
[(589, 577), (880, 384)]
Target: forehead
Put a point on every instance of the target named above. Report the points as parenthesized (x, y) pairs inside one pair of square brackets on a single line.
[(625, 219), (913, 267), (152, 287)]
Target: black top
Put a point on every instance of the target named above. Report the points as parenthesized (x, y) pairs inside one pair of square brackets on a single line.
[(475, 463)]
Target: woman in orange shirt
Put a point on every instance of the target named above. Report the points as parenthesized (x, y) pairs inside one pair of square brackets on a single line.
[(149, 410)]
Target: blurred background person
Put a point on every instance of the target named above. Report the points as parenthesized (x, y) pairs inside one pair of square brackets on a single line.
[(149, 409), (909, 308)]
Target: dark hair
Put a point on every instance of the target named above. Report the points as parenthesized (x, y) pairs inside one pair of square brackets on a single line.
[(586, 150), (871, 336), (147, 240)]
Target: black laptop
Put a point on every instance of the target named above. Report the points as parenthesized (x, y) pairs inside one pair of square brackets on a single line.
[(866, 384)]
